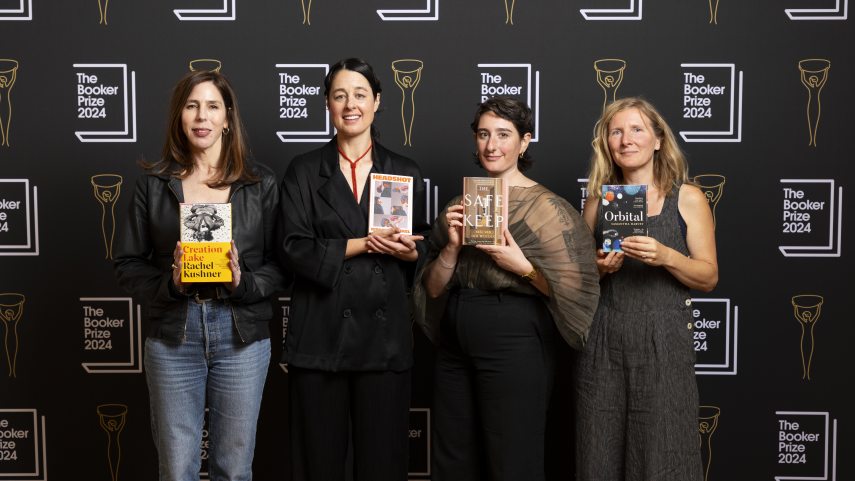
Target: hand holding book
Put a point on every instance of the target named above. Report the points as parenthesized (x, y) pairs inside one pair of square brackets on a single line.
[(394, 243), (646, 249)]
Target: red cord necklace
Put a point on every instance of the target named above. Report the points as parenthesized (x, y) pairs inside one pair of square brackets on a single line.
[(353, 167)]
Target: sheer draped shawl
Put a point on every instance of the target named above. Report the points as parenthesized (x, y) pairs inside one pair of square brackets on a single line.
[(554, 238)]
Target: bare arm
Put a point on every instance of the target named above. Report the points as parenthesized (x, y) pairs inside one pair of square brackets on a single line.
[(440, 271), (698, 270)]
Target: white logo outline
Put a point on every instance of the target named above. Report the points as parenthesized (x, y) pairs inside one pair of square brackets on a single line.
[(25, 11), (792, 251), (285, 135), (39, 470), (135, 351), (187, 14), (130, 114), (32, 230), (592, 14), (735, 116), (534, 106), (729, 345), (414, 14), (805, 13), (826, 415)]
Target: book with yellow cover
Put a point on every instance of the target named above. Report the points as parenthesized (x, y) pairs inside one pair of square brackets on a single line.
[(206, 235), (485, 211)]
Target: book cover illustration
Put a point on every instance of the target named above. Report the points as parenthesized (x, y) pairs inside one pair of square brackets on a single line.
[(485, 211), (624, 213), (206, 235), (390, 203)]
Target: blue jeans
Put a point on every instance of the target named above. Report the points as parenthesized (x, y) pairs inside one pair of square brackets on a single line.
[(210, 364)]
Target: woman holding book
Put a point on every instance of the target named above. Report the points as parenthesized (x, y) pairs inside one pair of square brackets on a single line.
[(636, 392), (206, 341), (494, 312), (349, 346)]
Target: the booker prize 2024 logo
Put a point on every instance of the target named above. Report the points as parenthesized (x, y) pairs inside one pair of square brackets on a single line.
[(22, 445), (105, 103), (517, 80), (806, 445), (824, 10), (216, 10), (19, 218), (811, 218), (16, 10), (111, 335), (301, 104), (715, 336), (711, 102), (632, 11)]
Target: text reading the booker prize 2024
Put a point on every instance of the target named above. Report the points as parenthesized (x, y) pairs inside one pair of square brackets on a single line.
[(701, 327), (797, 211), (97, 329), (697, 96), (792, 441), (9, 438), (491, 84), (293, 96), (4, 206), (91, 96)]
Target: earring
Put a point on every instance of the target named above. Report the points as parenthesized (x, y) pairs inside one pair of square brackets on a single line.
[(226, 131), (521, 154)]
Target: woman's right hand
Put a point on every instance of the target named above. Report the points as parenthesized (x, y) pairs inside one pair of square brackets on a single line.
[(609, 263), (454, 219)]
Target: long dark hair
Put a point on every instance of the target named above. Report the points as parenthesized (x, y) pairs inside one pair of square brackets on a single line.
[(176, 159), (361, 67)]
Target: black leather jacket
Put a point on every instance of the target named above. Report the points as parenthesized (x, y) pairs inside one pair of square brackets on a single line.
[(146, 241)]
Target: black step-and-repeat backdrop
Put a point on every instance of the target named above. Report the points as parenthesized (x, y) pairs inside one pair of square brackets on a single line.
[(760, 94)]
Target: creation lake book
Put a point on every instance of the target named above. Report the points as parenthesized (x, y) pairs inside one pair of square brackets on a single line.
[(624, 213), (206, 235), (485, 211), (390, 204)]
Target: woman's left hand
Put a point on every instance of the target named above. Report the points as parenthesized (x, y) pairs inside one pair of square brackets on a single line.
[(646, 249), (392, 242), (509, 256), (234, 266)]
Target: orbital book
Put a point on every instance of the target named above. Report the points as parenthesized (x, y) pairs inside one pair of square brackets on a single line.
[(624, 214), (485, 211), (206, 238), (390, 204)]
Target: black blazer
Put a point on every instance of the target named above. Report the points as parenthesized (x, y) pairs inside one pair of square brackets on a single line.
[(346, 315)]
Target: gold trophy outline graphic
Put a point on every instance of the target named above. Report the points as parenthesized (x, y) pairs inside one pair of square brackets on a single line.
[(408, 74), (102, 9), (8, 74), (107, 188), (713, 11), (807, 309), (11, 311), (112, 418), (707, 424), (609, 77), (814, 75), (509, 11), (307, 11), (712, 185), (205, 65)]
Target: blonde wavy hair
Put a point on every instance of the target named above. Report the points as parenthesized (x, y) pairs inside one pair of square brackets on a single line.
[(669, 163)]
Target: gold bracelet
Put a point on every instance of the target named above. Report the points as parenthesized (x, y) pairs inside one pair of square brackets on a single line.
[(531, 276), (442, 262)]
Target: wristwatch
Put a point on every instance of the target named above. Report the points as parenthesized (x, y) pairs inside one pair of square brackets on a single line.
[(531, 276)]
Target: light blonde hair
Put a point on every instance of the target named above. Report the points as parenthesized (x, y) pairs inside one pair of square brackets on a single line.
[(669, 163)]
